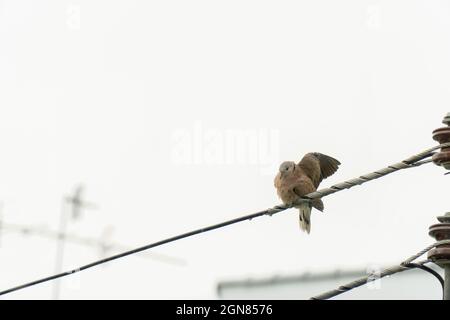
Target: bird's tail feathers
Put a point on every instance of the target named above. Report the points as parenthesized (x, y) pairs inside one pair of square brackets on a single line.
[(305, 217)]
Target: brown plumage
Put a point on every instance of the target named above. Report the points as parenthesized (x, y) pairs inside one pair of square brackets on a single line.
[(294, 181)]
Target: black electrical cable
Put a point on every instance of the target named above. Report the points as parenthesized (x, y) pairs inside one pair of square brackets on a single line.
[(127, 253), (411, 162), (429, 270)]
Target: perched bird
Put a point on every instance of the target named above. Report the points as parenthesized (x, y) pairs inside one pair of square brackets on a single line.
[(294, 181)]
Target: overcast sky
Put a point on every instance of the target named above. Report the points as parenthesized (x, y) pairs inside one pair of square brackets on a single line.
[(176, 114)]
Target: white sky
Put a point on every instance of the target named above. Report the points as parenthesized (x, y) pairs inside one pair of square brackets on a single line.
[(99, 92)]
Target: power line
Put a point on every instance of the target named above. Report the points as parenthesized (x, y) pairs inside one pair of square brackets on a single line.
[(421, 253), (411, 162), (429, 270), (130, 252), (405, 265), (103, 245), (361, 281)]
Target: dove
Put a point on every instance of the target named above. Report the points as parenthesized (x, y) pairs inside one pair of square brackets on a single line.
[(295, 180)]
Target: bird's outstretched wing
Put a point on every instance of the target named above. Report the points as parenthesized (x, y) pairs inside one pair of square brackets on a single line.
[(328, 165), (318, 166)]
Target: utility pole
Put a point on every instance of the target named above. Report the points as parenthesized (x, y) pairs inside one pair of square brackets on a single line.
[(76, 203), (441, 231), (441, 254), (442, 135)]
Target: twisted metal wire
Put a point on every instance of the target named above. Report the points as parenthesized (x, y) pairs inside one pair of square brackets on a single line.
[(361, 281), (410, 162), (431, 246), (405, 265)]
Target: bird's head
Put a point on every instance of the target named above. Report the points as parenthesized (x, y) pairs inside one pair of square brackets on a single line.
[(287, 167)]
